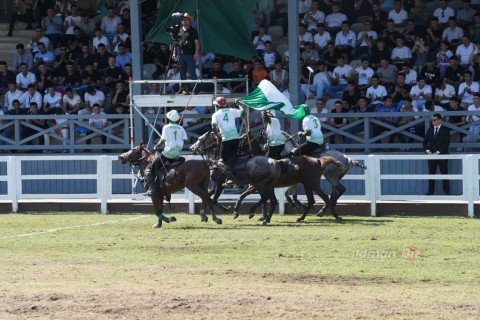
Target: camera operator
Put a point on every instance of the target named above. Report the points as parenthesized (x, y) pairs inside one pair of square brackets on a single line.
[(189, 47)]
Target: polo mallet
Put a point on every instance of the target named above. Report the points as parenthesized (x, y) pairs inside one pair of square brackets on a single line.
[(310, 71)]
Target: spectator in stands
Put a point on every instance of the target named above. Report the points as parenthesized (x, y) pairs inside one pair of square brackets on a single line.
[(303, 36), (22, 12), (43, 55), (101, 59), (173, 74), (260, 39), (420, 53), (125, 15), (443, 13), (465, 51), (87, 25), (386, 107), (321, 39), (453, 33), (90, 76), (16, 110), (36, 39), (360, 11), (410, 75), (467, 89), (22, 56), (443, 58), (92, 96), (162, 60), (65, 8), (109, 23), (362, 73), (376, 93), (6, 76), (350, 96), (338, 122), (474, 29), (436, 141), (113, 75), (76, 42), (465, 15), (421, 93), (474, 131), (313, 17), (258, 73), (407, 107), (434, 34), (124, 57), (53, 26), (100, 38), (30, 96), (99, 121), (320, 111), (51, 100), (310, 56), (410, 34), (25, 77), (420, 14), (388, 74), (398, 15), (116, 130), (321, 80), (71, 21), (85, 58), (390, 34), (34, 110), (11, 95), (340, 77), (379, 18), (379, 52), (345, 40), (334, 20), (72, 102), (279, 76), (330, 57), (458, 120), (60, 63), (444, 94), (280, 14), (237, 73), (454, 73), (71, 77), (366, 39), (401, 54), (401, 90), (121, 96), (121, 37), (189, 49), (269, 55), (361, 107)]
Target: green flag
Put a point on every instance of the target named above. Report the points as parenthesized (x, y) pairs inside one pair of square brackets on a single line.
[(267, 97), (224, 26)]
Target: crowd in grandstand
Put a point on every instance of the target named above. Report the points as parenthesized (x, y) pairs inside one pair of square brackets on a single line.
[(380, 55)]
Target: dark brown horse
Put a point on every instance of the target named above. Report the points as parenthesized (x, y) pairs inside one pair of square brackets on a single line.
[(191, 174)]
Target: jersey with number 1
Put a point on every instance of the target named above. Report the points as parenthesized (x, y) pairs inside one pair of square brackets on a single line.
[(174, 137), (311, 123), (224, 119)]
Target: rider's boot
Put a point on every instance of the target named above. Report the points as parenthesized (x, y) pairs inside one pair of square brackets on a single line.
[(230, 183)]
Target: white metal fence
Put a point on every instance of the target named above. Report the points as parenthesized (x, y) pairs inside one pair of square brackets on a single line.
[(105, 179)]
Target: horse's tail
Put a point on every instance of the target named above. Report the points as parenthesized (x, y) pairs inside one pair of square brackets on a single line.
[(326, 160), (353, 163)]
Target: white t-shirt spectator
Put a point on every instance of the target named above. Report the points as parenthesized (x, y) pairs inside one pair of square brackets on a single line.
[(402, 53), (398, 17), (468, 97), (26, 99), (444, 15), (346, 39), (342, 72), (364, 75), (23, 81), (55, 101), (321, 40), (72, 102), (334, 20), (464, 53), (98, 97), (376, 95), (455, 34)]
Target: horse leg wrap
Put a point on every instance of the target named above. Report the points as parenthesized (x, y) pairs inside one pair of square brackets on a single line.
[(163, 218)]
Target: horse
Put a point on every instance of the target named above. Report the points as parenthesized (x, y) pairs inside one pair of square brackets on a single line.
[(304, 170), (191, 174)]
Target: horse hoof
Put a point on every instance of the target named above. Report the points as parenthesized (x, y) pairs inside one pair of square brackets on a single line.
[(251, 215), (218, 221), (299, 219), (235, 215), (320, 214), (229, 208), (157, 226), (172, 219), (204, 219), (264, 223), (339, 220)]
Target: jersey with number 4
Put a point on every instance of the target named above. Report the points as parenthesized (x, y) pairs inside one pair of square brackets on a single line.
[(224, 119), (174, 137), (311, 123)]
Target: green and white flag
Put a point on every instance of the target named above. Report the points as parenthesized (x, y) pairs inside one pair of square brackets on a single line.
[(267, 97)]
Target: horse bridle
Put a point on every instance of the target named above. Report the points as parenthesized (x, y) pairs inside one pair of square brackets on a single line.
[(203, 146), (140, 149)]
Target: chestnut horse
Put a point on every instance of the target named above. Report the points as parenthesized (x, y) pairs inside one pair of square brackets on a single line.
[(191, 174)]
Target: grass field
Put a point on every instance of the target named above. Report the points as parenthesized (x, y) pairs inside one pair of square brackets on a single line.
[(89, 266)]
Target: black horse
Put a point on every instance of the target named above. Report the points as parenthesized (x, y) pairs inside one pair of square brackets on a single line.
[(191, 174)]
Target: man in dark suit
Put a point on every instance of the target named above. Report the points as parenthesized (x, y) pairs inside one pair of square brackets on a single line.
[(436, 141)]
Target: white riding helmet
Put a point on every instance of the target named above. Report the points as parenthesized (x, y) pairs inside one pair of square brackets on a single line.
[(173, 115)]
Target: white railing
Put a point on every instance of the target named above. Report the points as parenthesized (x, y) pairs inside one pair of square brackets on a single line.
[(14, 178)]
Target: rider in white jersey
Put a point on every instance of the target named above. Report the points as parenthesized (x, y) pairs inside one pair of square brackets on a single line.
[(276, 140), (173, 136), (224, 126), (312, 129)]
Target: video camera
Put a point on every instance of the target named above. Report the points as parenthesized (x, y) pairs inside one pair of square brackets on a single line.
[(174, 29)]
